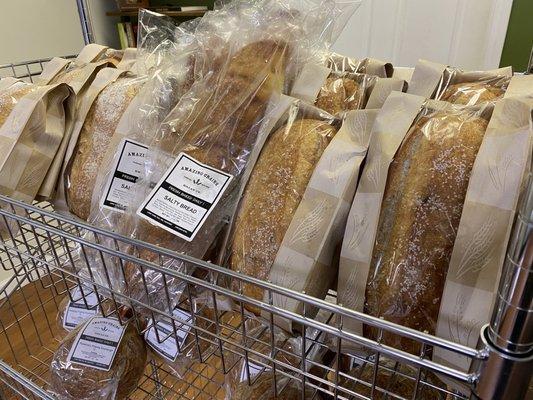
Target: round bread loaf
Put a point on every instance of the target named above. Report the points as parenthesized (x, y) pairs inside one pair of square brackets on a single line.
[(339, 94), (70, 381)]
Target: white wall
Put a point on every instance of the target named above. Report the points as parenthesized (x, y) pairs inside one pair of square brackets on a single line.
[(104, 27), (32, 29), (464, 33)]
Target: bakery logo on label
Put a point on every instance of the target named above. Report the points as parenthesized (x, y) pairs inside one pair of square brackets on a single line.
[(164, 342), (97, 343), (126, 171), (184, 197), (81, 307)]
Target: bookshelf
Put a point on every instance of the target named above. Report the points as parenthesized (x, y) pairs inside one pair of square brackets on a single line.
[(170, 13)]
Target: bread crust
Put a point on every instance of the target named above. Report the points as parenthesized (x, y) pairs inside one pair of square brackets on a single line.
[(420, 214), (340, 94), (274, 191), (472, 93), (95, 136)]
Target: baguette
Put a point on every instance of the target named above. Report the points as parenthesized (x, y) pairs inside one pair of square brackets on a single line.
[(95, 135), (420, 214), (271, 198)]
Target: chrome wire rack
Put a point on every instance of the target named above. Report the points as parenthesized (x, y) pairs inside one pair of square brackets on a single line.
[(48, 254)]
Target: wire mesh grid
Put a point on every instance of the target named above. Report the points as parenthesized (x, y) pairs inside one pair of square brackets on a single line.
[(53, 254), (25, 70)]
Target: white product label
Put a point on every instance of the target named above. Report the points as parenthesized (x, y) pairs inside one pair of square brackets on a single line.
[(168, 348), (126, 172), (97, 343), (255, 369), (185, 196), (79, 310)]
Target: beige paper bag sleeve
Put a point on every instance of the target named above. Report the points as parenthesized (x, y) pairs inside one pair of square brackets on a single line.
[(29, 139), (90, 53), (479, 251), (304, 261), (390, 127), (52, 69), (103, 78)]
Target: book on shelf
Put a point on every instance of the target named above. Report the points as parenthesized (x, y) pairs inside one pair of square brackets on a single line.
[(129, 34), (122, 35), (193, 8)]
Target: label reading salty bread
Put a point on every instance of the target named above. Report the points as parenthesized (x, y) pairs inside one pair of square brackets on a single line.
[(126, 172), (97, 343), (82, 307), (167, 348), (183, 199)]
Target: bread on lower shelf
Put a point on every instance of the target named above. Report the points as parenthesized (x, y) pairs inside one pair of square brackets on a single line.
[(75, 381)]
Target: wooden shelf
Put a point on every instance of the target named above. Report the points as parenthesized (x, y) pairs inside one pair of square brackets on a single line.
[(134, 13)]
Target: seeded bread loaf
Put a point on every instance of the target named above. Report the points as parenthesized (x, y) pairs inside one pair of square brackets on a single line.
[(420, 214), (275, 188), (79, 382), (340, 94), (94, 138), (472, 93)]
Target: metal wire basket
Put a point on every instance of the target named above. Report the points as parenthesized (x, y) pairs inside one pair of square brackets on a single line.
[(49, 254)]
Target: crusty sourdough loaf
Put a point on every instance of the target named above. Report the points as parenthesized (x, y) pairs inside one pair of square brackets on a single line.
[(472, 93), (221, 133), (77, 382), (276, 186), (11, 96), (420, 214), (340, 94), (94, 138)]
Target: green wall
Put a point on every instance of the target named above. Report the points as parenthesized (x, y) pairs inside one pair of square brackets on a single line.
[(519, 38)]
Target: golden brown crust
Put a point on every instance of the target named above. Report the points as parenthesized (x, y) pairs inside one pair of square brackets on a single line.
[(420, 213), (94, 138), (340, 94), (472, 93), (74, 382), (10, 97), (271, 198)]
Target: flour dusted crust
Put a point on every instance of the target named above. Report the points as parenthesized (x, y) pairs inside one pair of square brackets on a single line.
[(11, 96), (340, 94), (75, 382), (472, 93), (273, 194), (94, 138), (420, 213)]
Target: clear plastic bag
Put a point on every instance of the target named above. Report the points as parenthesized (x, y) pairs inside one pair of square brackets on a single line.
[(420, 214), (276, 186), (81, 304), (252, 49), (253, 377), (344, 92), (466, 89), (80, 370)]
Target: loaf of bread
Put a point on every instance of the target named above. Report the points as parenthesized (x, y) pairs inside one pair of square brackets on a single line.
[(276, 186), (95, 135), (340, 94), (220, 132), (396, 379), (262, 380), (472, 93), (11, 96), (69, 381), (420, 214)]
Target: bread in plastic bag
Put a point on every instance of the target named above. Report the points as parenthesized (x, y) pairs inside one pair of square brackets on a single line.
[(72, 380), (420, 213), (76, 307), (344, 92), (253, 378)]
